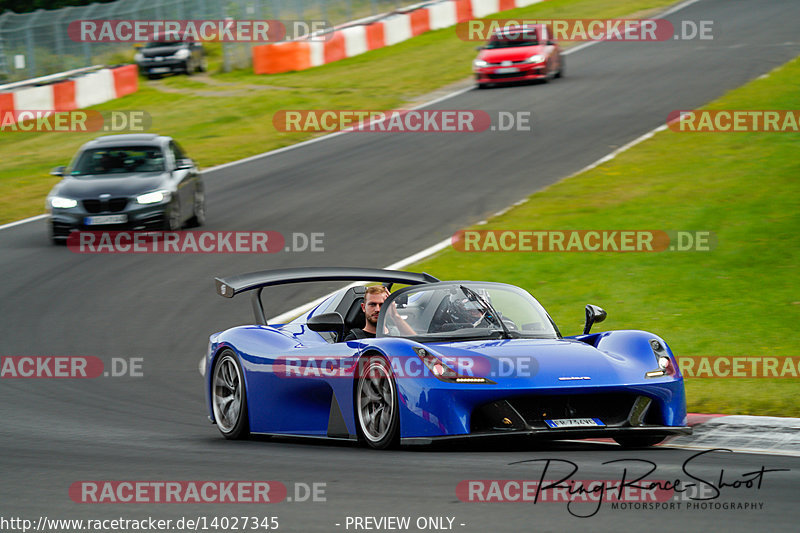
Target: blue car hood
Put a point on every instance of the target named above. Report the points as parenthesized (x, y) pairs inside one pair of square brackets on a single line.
[(539, 362)]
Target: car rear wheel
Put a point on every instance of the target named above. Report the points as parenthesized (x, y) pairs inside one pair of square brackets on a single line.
[(228, 397), (376, 404), (642, 441)]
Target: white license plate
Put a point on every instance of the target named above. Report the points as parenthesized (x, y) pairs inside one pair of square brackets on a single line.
[(574, 422), (508, 70), (159, 70), (105, 219)]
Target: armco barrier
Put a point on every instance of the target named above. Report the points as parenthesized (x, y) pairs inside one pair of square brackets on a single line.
[(356, 39), (84, 91)]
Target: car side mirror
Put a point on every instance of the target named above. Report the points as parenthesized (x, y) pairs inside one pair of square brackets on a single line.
[(58, 171), (479, 48), (593, 314), (327, 322), (183, 164)]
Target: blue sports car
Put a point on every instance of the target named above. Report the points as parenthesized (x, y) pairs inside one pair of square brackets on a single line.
[(451, 359)]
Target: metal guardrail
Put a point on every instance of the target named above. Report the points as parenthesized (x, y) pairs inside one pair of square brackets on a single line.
[(50, 78)]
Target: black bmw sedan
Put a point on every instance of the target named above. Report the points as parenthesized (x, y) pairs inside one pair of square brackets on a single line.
[(138, 182)]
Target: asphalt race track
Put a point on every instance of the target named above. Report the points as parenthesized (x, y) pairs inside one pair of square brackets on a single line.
[(378, 198)]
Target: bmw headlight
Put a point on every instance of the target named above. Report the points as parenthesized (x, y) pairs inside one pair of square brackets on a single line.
[(537, 58), (479, 63), (59, 202), (152, 197), (183, 53)]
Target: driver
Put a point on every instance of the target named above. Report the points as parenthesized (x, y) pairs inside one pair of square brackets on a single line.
[(372, 304)]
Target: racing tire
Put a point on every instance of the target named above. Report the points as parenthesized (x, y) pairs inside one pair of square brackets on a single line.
[(199, 209), (376, 405), (229, 397), (641, 441), (172, 216), (560, 73)]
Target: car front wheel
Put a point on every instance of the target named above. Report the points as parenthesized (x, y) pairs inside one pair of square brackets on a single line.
[(199, 209), (376, 404), (172, 216)]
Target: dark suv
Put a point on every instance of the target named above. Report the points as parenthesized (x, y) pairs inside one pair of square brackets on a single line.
[(141, 181), (160, 56)]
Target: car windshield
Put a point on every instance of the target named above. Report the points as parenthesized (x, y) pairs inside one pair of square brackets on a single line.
[(464, 311), (119, 160), (161, 44), (513, 38)]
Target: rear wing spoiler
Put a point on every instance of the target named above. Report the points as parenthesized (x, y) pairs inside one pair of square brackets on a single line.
[(233, 285)]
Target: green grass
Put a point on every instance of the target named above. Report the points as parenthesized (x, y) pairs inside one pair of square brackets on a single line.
[(235, 120), (740, 299)]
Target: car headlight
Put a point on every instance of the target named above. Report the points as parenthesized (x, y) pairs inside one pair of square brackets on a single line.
[(138, 57), (443, 372), (665, 367), (479, 63), (537, 58), (59, 202), (183, 53), (152, 197)]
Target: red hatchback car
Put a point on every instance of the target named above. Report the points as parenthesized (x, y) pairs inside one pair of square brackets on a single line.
[(518, 54)]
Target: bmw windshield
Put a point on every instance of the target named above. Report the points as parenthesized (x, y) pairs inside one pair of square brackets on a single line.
[(464, 311), (119, 160)]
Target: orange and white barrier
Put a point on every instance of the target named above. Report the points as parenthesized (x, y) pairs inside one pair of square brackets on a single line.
[(84, 91), (359, 38)]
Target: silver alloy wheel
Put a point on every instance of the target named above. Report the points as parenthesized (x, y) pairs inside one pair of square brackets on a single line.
[(199, 208), (174, 216), (227, 394), (376, 400)]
